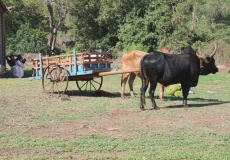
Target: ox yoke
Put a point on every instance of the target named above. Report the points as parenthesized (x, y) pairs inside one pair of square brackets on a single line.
[(170, 69)]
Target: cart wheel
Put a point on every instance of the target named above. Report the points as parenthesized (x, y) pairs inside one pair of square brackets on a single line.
[(90, 86), (55, 80)]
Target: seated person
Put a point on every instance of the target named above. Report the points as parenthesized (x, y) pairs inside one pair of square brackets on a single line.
[(17, 65), (10, 60)]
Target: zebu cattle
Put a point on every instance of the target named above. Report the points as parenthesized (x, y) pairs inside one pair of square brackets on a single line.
[(163, 49), (170, 69), (131, 60)]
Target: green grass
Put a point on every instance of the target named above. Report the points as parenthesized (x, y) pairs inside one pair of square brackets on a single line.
[(34, 126), (157, 146)]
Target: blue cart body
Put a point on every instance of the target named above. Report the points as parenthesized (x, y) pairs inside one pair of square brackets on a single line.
[(76, 64)]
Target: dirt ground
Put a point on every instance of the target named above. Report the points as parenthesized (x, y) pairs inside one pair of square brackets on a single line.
[(129, 119)]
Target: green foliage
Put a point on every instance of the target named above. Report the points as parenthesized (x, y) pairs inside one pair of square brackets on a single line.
[(149, 27), (202, 21), (31, 40), (133, 46), (118, 24), (25, 30)]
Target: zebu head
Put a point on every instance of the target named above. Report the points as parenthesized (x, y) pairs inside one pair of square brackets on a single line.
[(207, 63)]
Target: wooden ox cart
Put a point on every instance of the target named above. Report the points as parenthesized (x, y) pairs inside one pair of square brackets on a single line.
[(87, 69)]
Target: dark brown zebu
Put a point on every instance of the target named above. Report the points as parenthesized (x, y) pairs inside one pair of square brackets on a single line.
[(168, 69)]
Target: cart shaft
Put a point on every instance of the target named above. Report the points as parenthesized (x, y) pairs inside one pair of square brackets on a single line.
[(118, 72)]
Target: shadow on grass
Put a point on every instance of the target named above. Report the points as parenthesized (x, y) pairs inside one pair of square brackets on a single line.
[(8, 74), (206, 102), (101, 93)]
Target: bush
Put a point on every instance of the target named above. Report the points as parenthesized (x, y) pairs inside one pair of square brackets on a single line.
[(133, 46), (27, 40)]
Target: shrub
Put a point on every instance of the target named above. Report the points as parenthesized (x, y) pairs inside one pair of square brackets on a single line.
[(133, 46), (27, 40)]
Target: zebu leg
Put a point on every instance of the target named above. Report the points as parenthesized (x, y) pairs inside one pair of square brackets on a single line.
[(143, 89), (124, 79), (151, 93), (185, 90), (162, 92), (131, 80)]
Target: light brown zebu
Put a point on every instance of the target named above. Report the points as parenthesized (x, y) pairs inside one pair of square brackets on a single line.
[(131, 60)]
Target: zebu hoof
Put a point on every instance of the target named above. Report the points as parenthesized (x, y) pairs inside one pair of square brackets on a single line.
[(132, 95), (155, 108), (186, 107), (142, 108)]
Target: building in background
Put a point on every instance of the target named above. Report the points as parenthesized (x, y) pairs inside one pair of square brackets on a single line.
[(3, 10)]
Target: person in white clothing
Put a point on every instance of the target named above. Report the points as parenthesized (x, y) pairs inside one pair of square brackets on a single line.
[(17, 69)]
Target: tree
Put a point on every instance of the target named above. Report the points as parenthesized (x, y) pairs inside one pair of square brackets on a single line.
[(148, 24), (97, 21), (113, 14), (54, 10), (87, 30), (200, 21), (60, 7), (115, 24), (25, 28)]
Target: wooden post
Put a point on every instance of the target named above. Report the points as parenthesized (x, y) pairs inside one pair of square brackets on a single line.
[(40, 59), (75, 61)]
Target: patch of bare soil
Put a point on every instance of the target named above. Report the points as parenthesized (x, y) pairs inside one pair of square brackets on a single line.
[(125, 123)]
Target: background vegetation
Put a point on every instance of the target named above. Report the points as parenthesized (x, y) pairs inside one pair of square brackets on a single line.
[(119, 25)]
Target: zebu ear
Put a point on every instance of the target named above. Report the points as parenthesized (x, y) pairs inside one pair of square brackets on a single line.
[(201, 56), (182, 50)]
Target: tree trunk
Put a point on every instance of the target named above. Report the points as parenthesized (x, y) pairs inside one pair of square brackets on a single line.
[(54, 38), (61, 10)]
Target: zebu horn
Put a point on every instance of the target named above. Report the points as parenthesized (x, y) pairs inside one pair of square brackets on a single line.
[(201, 56), (214, 51), (199, 49)]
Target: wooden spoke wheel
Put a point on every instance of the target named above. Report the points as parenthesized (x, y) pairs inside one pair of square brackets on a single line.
[(89, 86), (55, 80)]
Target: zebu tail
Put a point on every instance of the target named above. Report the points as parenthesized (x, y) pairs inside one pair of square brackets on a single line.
[(143, 79), (122, 75)]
